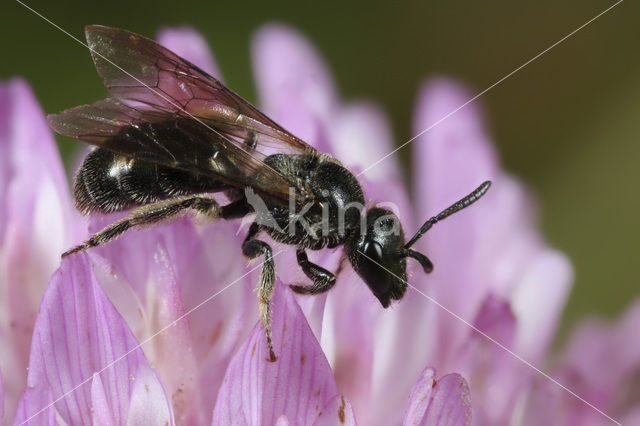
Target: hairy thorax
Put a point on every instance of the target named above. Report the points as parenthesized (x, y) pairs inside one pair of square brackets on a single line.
[(328, 210)]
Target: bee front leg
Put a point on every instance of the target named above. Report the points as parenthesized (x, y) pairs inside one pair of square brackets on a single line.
[(253, 248)]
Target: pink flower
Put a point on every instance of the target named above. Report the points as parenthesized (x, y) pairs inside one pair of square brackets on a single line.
[(183, 292), (36, 222), (600, 363)]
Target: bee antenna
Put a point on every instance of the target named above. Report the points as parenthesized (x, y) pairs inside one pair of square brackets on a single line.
[(455, 207), (424, 260)]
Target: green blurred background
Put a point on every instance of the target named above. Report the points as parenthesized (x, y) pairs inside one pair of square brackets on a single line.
[(567, 124)]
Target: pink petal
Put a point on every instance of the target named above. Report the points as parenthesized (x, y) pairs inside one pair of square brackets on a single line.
[(596, 343), (79, 333), (149, 403), (190, 45), (294, 85), (495, 376), (496, 319), (358, 331), (632, 417), (628, 348), (24, 132), (360, 136), (547, 403), (1, 398), (365, 343), (172, 351), (612, 389), (282, 421), (36, 400), (451, 159), (37, 223), (454, 155), (538, 302), (100, 408), (496, 238), (445, 401), (298, 385), (156, 276), (351, 316), (340, 405)]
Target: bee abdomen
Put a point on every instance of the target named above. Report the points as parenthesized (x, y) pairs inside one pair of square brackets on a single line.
[(97, 188), (108, 182)]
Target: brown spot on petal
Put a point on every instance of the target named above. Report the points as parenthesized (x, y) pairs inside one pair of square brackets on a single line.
[(140, 313), (217, 332), (177, 400), (253, 350), (317, 394), (146, 388), (341, 415), (303, 359)]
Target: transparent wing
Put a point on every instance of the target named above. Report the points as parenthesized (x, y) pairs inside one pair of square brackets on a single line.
[(139, 70), (169, 139), (168, 111)]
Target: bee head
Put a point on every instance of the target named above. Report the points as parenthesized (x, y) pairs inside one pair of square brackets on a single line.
[(378, 255)]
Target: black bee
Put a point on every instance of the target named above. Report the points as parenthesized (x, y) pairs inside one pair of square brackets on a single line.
[(172, 135)]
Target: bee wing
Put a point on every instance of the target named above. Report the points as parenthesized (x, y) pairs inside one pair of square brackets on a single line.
[(137, 69), (220, 134), (163, 138)]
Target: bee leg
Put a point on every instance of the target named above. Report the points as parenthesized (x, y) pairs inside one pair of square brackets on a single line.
[(148, 215), (323, 280), (253, 248)]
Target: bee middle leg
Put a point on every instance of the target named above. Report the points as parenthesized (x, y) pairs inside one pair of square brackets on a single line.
[(252, 249), (323, 280), (153, 213)]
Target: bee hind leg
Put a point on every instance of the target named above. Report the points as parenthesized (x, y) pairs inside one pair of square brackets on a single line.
[(148, 215), (252, 249)]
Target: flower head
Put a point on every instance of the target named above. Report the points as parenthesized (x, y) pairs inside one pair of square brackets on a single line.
[(161, 326)]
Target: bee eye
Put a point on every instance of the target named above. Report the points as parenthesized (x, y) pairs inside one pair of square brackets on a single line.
[(373, 250), (370, 269)]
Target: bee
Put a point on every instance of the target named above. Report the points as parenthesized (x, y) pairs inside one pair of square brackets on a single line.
[(171, 135)]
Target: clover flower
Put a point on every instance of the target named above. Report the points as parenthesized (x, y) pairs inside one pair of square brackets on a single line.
[(160, 326)]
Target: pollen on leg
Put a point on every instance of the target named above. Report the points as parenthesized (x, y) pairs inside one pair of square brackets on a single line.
[(265, 320)]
